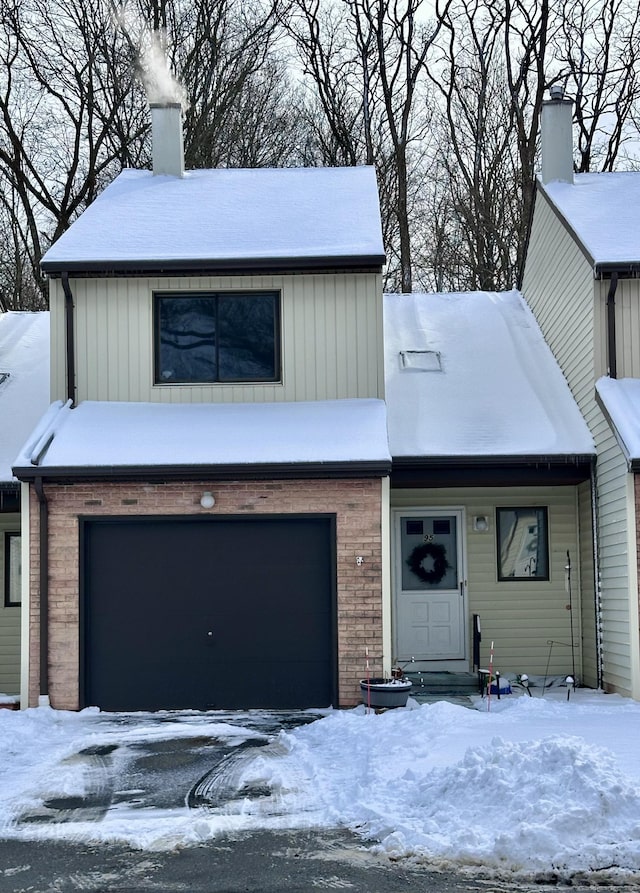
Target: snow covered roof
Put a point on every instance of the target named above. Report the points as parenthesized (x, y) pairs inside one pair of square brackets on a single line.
[(602, 211), (226, 219), (619, 399), (470, 375), (24, 381), (120, 437)]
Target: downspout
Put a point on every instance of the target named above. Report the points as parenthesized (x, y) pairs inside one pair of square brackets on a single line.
[(70, 340), (43, 699), (596, 574), (611, 326)]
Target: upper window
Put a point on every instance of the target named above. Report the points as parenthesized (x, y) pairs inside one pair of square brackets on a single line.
[(217, 337), (523, 544)]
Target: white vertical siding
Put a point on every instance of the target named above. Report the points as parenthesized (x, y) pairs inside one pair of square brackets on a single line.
[(521, 617), (615, 583), (559, 287), (9, 621), (331, 328)]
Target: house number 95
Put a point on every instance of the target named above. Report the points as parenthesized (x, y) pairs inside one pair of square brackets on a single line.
[(427, 538)]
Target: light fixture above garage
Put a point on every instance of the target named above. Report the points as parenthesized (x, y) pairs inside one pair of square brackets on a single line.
[(207, 500)]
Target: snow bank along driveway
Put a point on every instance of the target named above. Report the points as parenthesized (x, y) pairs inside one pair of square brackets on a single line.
[(537, 787)]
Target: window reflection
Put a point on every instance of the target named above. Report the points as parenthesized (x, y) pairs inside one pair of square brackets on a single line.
[(523, 550)]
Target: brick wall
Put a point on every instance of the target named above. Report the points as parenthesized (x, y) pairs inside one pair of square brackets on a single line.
[(356, 504)]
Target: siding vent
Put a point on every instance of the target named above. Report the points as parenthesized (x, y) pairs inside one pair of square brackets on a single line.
[(421, 360)]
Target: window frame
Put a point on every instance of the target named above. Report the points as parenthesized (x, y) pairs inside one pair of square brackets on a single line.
[(10, 570), (537, 578), (216, 294)]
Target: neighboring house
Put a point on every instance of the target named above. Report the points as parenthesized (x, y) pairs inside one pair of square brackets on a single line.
[(491, 458), (246, 489), (24, 396), (581, 281)]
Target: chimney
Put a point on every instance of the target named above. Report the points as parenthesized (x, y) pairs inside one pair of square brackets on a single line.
[(166, 133), (557, 137)]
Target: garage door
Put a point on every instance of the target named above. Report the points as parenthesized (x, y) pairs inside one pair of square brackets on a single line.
[(209, 613)]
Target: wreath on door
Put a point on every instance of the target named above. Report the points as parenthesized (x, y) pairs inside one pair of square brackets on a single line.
[(435, 551)]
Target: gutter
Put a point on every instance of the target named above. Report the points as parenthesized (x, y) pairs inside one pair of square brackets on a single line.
[(43, 699), (611, 326), (497, 460), (365, 263), (70, 339), (162, 473)]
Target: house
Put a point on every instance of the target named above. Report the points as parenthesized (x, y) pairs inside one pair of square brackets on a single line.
[(257, 476), (211, 471), (581, 281), (24, 396)]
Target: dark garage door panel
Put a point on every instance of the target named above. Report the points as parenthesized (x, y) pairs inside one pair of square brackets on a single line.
[(209, 613)]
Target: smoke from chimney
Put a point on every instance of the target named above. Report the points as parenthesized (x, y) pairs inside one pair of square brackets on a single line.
[(166, 96), (160, 85), (152, 67)]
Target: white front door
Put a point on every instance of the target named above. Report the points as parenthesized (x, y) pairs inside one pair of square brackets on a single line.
[(430, 586)]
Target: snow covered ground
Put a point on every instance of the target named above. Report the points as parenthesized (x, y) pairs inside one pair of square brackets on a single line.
[(536, 787)]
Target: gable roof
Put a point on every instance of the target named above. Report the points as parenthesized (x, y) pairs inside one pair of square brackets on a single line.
[(491, 389), (227, 219), (24, 381), (619, 399), (601, 212)]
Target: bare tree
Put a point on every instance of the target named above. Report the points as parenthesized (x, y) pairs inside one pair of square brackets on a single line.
[(73, 110), (446, 109), (598, 50), (497, 64), (488, 75), (333, 74), (63, 104), (402, 46), (527, 27), (366, 61)]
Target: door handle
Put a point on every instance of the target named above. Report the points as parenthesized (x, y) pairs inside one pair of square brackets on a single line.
[(462, 583)]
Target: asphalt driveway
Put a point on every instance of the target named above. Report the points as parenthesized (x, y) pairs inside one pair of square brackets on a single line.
[(162, 773)]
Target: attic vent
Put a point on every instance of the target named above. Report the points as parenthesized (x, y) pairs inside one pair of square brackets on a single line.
[(421, 360)]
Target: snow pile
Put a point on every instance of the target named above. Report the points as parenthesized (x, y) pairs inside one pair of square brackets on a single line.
[(536, 788)]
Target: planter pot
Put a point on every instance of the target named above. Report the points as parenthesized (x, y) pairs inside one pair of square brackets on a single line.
[(385, 692)]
